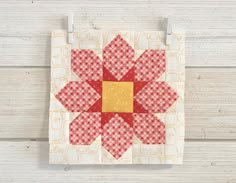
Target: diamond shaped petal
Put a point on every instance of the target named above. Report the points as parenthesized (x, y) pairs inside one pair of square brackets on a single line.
[(156, 97), (117, 136), (85, 128), (150, 65), (77, 96), (148, 128), (87, 65), (118, 57)]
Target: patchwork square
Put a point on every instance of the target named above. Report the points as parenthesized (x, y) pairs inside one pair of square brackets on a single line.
[(117, 102), (117, 96)]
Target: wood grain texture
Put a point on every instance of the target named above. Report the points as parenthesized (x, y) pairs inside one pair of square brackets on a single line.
[(201, 50), (210, 103), (209, 25), (211, 162), (210, 106)]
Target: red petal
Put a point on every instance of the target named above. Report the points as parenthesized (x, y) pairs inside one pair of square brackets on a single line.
[(77, 96), (117, 136), (85, 128), (149, 129), (150, 65), (87, 65), (118, 57), (156, 97)]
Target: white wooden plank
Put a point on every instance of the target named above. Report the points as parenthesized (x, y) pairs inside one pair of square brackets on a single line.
[(24, 102), (210, 121), (212, 21), (210, 86), (42, 15), (34, 50), (37, 20), (211, 162), (210, 103), (25, 50)]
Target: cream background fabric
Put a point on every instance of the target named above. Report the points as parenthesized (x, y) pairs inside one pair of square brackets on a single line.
[(61, 152)]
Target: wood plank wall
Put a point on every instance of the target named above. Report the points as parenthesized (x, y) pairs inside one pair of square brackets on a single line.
[(210, 106)]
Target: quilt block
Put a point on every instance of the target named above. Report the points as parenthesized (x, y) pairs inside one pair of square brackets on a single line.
[(117, 98)]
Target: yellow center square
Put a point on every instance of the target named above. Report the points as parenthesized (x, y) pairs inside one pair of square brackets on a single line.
[(117, 96)]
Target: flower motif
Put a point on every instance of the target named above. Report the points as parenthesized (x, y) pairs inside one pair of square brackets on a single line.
[(117, 97)]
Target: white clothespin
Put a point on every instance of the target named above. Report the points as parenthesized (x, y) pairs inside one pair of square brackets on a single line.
[(169, 32), (70, 28)]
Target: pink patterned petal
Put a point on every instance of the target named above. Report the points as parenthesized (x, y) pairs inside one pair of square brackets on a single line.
[(148, 128), (85, 128), (156, 97), (118, 57), (150, 65), (117, 136), (87, 65), (77, 96)]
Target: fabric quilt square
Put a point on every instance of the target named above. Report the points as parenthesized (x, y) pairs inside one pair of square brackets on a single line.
[(117, 98)]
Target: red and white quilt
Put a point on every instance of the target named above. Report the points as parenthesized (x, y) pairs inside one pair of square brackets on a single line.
[(117, 98)]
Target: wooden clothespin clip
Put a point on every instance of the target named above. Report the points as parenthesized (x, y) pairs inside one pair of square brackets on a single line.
[(169, 32), (70, 28)]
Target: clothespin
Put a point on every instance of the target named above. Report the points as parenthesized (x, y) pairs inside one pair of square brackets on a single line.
[(70, 28), (169, 31)]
